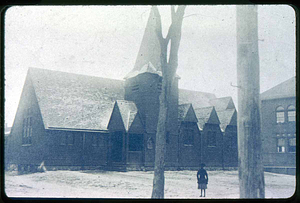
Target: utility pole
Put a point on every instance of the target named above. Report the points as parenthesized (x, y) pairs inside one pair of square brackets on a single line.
[(251, 174)]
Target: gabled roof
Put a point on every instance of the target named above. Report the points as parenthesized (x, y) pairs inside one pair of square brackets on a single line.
[(68, 100), (197, 98), (186, 113), (129, 113), (206, 115), (149, 49), (282, 90), (222, 103), (227, 117)]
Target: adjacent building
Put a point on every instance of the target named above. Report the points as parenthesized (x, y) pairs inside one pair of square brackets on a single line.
[(278, 109)]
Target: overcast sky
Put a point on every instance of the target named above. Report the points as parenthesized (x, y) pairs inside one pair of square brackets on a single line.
[(104, 41)]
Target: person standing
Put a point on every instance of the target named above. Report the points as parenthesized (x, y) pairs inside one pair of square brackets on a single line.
[(202, 179)]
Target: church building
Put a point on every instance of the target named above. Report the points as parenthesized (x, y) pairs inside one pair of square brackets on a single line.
[(66, 120)]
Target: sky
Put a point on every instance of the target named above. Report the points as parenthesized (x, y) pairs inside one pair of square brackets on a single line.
[(104, 41)]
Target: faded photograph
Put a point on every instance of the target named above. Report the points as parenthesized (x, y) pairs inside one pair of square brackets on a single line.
[(184, 102)]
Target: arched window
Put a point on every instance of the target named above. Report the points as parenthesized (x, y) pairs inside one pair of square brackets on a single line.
[(291, 113), (280, 114)]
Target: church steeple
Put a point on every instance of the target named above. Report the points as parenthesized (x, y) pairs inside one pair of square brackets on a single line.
[(144, 82), (149, 52)]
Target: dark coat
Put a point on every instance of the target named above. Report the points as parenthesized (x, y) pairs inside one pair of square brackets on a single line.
[(202, 176)]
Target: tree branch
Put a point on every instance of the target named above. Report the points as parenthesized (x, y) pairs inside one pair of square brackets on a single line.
[(173, 13), (175, 35)]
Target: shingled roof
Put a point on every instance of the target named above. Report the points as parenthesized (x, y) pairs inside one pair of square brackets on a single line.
[(197, 98), (222, 103), (129, 112), (73, 101), (206, 115), (227, 117), (282, 90), (186, 113)]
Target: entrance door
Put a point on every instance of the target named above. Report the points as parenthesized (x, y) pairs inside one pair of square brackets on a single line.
[(136, 148), (117, 146)]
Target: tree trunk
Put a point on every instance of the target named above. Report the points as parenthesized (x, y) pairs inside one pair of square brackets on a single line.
[(168, 73), (160, 147), (251, 175)]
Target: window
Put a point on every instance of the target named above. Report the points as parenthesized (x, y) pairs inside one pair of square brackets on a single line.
[(188, 138), (292, 145), (136, 142), (211, 138), (135, 88), (280, 114), (281, 145), (291, 113), (159, 84), (27, 130)]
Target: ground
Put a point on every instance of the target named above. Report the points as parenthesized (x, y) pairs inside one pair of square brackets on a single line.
[(136, 184)]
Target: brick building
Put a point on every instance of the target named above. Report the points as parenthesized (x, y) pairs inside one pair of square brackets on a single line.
[(278, 109)]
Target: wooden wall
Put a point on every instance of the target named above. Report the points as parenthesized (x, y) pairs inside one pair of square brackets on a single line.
[(212, 153), (230, 147), (20, 152), (73, 148)]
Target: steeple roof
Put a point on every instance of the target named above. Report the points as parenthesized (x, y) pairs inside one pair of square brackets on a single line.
[(149, 53)]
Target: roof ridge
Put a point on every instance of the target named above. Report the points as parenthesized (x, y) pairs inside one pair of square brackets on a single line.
[(196, 91), (286, 88), (71, 73), (184, 104), (288, 80), (229, 97), (205, 107)]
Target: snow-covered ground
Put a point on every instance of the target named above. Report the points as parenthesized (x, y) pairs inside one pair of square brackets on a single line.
[(136, 184)]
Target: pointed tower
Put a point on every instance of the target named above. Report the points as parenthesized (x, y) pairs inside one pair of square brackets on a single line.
[(149, 50), (143, 83)]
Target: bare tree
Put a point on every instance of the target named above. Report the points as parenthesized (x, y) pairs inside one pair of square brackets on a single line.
[(251, 174), (168, 69)]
